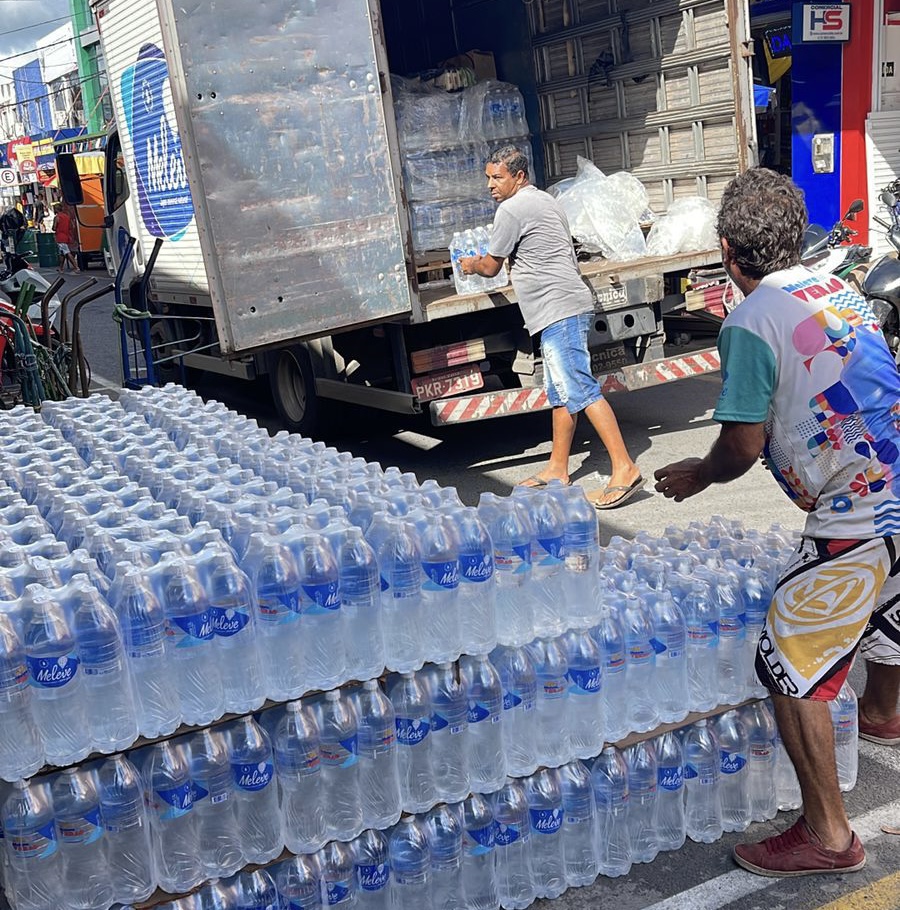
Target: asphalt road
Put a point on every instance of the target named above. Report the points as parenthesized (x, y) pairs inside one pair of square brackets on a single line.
[(660, 425)]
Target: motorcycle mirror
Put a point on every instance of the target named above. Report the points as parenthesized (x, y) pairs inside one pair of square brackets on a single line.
[(888, 198), (855, 207)]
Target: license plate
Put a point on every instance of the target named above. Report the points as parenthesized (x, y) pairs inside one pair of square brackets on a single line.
[(446, 383)]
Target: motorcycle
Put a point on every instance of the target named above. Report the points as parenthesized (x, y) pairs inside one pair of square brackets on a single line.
[(881, 283), (13, 280), (831, 251)]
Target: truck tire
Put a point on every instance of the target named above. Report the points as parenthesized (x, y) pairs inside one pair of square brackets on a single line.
[(293, 388)]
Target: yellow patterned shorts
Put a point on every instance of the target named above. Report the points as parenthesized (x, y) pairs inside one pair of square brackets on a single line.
[(833, 597)]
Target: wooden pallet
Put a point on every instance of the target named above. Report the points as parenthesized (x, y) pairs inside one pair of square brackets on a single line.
[(433, 268)]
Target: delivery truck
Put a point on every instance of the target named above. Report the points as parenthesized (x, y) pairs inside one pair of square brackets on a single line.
[(259, 143)]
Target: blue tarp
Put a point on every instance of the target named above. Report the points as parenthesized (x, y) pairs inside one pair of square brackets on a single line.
[(763, 95)]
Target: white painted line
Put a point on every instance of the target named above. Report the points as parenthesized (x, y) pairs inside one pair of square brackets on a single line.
[(732, 886)]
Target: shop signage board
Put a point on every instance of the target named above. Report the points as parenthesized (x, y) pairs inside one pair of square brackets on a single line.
[(822, 22)]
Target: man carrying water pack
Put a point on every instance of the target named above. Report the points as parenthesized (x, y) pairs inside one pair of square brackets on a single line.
[(808, 381)]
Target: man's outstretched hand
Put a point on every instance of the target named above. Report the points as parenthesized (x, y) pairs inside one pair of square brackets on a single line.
[(681, 479)]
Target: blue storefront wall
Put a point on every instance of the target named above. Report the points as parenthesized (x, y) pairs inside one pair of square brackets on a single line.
[(32, 104)]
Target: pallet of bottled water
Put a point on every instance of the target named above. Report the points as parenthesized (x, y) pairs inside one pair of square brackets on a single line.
[(394, 700)]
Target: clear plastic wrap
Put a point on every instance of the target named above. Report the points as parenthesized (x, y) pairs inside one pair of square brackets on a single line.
[(604, 212), (455, 172), (427, 118), (491, 111), (689, 225), (435, 223)]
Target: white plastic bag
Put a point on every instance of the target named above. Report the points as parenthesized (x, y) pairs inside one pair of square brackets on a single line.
[(689, 225)]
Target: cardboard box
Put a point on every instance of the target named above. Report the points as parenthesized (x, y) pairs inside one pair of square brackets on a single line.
[(482, 62)]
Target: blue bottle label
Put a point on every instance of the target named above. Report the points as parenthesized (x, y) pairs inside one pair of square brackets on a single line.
[(319, 599), (198, 792), (442, 576), (373, 878), (476, 567), (731, 762), (228, 622), (84, 830), (411, 731), (189, 631), (252, 777), (340, 754), (670, 778), (338, 892), (438, 722), (585, 682), (52, 672), (690, 772), (504, 835), (554, 550), (173, 802), (657, 645), (511, 700), (704, 775), (479, 841), (477, 712), (38, 844), (545, 821), (310, 902), (279, 608)]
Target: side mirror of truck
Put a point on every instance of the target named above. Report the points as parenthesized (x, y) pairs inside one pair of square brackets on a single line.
[(69, 179)]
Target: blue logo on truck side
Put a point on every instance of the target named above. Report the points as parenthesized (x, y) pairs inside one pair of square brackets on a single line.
[(162, 186)]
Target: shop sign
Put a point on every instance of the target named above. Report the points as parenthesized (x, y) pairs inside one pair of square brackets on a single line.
[(825, 22), (8, 177)]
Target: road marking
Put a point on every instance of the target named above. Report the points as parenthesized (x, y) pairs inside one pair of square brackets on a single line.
[(881, 895), (732, 886)]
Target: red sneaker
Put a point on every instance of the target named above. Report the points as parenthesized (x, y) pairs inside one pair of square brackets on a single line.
[(886, 734), (798, 852)]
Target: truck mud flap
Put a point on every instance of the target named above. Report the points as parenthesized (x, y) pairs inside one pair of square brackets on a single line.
[(624, 379)]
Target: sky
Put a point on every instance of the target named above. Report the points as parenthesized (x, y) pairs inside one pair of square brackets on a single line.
[(23, 22)]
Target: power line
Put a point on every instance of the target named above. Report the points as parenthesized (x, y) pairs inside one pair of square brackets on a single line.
[(35, 51), (71, 86), (26, 28)]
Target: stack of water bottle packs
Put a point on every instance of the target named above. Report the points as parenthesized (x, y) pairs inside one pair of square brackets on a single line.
[(425, 692)]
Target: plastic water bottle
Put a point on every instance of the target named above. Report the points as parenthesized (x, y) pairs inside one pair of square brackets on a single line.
[(579, 825), (461, 282), (643, 770), (58, 704), (142, 623), (107, 684), (418, 791), (586, 722), (734, 783), (756, 595), (552, 709), (234, 625), (323, 619), (274, 584), (373, 871), (512, 846), (671, 676), (670, 830), (298, 881), (21, 753), (845, 719), (519, 679), (445, 841), (439, 553), (191, 652), (732, 651), (610, 638), (214, 805), (79, 831), (545, 812), (379, 776), (479, 883), (33, 863), (512, 567), (361, 600), (702, 619), (339, 746), (449, 733), (255, 791), (609, 781), (299, 774), (127, 831), (169, 794), (255, 891), (787, 785), (477, 588), (582, 549), (484, 695), (410, 862), (761, 761), (703, 808), (640, 665)]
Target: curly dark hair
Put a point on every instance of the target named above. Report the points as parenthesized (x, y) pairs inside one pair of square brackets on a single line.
[(763, 217), (512, 157)]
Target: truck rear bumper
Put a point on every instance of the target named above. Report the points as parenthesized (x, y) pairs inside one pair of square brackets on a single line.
[(485, 406)]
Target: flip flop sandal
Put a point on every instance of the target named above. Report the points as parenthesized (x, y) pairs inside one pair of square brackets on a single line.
[(627, 493)]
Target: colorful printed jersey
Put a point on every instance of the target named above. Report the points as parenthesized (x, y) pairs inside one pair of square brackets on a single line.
[(804, 355)]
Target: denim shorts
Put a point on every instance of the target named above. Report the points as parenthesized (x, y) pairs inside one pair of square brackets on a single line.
[(568, 379)]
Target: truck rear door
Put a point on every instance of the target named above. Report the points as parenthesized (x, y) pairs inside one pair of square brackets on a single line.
[(662, 89), (279, 106)]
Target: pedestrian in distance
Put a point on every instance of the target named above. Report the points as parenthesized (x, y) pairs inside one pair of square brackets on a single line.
[(808, 381), (62, 231), (12, 230), (530, 228)]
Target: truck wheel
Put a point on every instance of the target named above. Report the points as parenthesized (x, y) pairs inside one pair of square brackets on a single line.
[(294, 389)]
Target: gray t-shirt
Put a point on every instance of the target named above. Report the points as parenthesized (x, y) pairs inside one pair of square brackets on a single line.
[(532, 230)]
